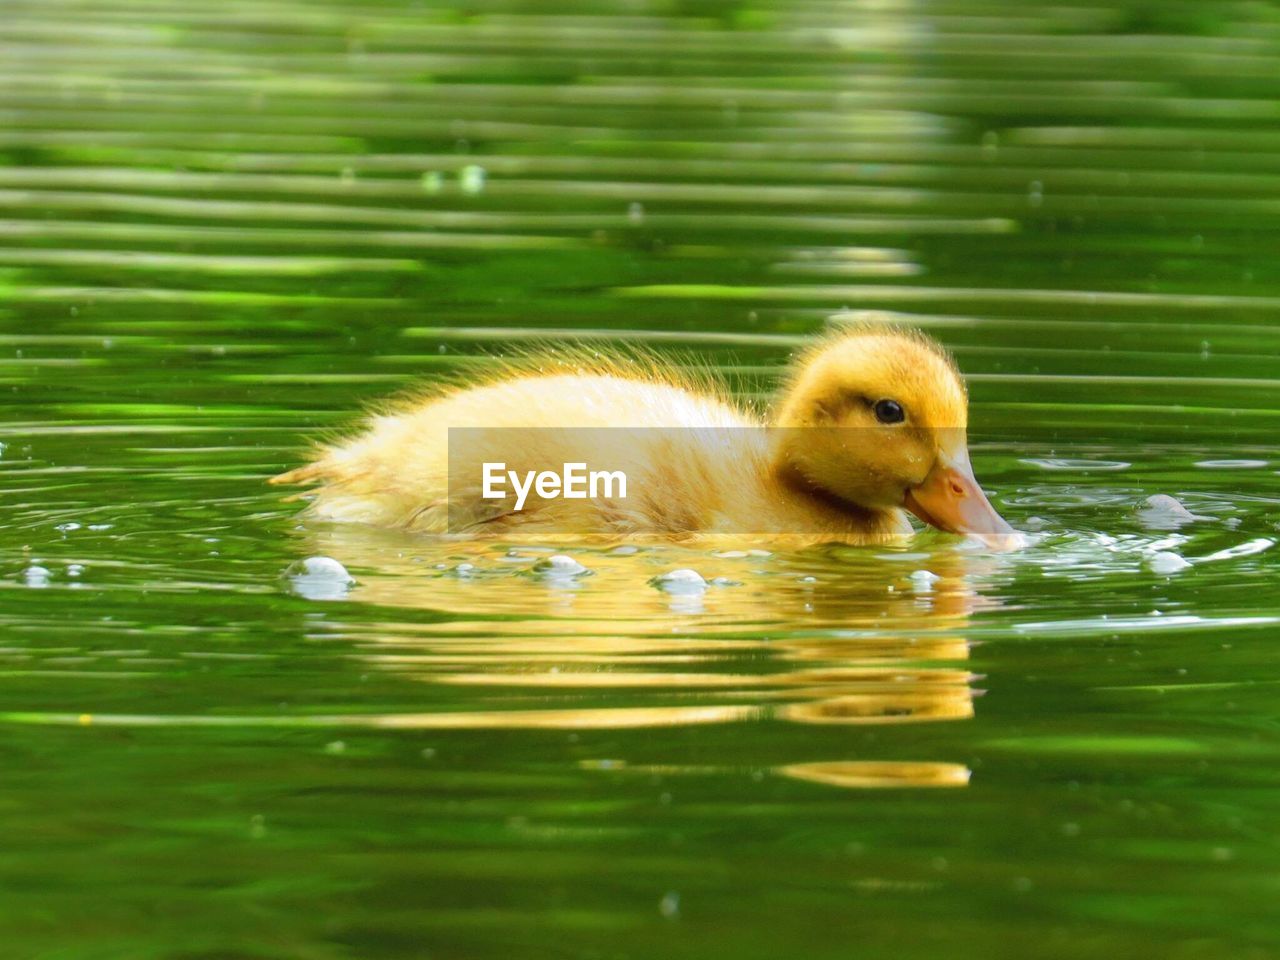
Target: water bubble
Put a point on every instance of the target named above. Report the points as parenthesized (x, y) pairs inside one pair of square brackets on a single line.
[(559, 565), (922, 581), (471, 179), (432, 182), (335, 747), (323, 566), (635, 213), (1163, 512), (669, 905), (36, 576), (74, 569), (681, 581), (1166, 563), (319, 578)]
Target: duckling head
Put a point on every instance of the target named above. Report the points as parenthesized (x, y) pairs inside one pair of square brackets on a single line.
[(877, 420)]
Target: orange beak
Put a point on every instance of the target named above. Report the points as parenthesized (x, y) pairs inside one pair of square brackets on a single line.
[(951, 500)]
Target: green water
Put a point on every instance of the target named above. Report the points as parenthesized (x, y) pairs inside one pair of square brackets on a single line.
[(226, 226)]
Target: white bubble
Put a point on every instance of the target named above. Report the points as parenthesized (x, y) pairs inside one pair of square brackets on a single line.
[(560, 565), (325, 567), (1163, 512), (319, 578), (36, 576), (682, 580), (471, 179), (1167, 563), (669, 905)]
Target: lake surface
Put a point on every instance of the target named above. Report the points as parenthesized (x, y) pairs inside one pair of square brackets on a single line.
[(226, 227)]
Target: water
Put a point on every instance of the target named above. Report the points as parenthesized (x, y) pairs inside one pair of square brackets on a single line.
[(227, 227)]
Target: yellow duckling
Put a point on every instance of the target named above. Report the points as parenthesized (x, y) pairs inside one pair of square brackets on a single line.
[(868, 423)]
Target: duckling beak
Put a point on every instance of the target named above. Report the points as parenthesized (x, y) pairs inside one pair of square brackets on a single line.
[(951, 500)]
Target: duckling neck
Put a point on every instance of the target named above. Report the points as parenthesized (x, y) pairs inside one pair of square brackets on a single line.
[(830, 508)]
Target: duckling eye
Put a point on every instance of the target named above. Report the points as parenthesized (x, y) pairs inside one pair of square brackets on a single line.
[(889, 411)]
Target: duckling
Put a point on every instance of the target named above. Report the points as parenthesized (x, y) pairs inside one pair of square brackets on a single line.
[(869, 424)]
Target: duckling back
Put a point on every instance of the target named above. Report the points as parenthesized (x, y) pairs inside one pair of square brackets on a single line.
[(397, 472)]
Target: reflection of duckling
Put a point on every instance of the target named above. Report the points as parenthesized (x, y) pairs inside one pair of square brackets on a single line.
[(870, 774), (869, 422)]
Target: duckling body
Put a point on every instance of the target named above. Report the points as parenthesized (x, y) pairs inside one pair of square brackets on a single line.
[(695, 461)]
